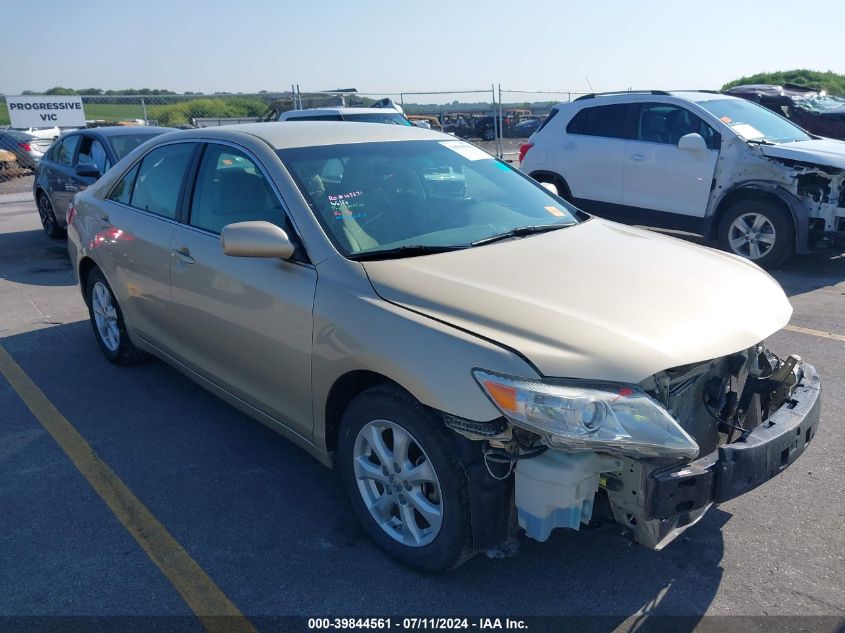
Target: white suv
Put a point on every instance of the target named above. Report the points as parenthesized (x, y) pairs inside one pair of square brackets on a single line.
[(703, 162)]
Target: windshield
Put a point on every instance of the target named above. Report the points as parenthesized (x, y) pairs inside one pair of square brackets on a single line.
[(124, 144), (753, 122), (372, 197), (378, 117)]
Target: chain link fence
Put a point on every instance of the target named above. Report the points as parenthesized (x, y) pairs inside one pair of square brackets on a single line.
[(496, 119), (521, 113)]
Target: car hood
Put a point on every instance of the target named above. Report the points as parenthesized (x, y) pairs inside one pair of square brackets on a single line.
[(598, 300), (822, 151)]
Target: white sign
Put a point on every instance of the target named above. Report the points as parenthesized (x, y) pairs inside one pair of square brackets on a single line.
[(45, 111)]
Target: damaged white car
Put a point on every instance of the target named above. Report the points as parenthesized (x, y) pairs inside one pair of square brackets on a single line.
[(704, 162)]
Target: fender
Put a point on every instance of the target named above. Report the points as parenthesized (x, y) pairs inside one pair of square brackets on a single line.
[(799, 212)]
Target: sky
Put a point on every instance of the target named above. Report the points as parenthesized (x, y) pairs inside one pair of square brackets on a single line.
[(389, 47)]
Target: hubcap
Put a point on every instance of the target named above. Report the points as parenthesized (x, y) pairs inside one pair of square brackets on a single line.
[(398, 483), (751, 235), (105, 316)]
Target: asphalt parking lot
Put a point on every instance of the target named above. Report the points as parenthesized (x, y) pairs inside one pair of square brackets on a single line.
[(273, 530)]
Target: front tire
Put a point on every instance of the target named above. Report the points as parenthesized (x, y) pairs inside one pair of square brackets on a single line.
[(48, 217), (758, 229), (107, 322), (405, 483)]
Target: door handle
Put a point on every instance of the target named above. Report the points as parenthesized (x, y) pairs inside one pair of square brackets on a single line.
[(569, 145), (183, 254), (637, 157), (104, 218)]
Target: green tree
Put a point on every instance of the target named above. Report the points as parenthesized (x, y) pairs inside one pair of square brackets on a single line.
[(833, 83), (182, 113), (59, 90)]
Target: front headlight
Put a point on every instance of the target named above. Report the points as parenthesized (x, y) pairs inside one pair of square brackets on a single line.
[(586, 415)]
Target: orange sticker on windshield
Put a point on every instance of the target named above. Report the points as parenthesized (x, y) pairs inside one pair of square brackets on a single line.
[(555, 211), (726, 119)]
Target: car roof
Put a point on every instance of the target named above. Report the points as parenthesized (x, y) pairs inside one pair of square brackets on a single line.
[(125, 130), (341, 110), (695, 96), (17, 133), (281, 135)]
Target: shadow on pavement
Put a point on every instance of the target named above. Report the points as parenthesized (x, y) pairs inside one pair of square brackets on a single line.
[(804, 273), (273, 528), (30, 257)]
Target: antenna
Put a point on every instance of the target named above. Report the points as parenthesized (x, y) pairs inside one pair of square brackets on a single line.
[(589, 85)]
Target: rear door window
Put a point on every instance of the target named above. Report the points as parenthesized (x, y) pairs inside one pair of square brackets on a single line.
[(609, 121), (67, 149), (158, 184)]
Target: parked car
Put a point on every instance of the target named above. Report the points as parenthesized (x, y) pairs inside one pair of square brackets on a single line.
[(46, 133), (526, 127), (816, 112), (427, 122), (28, 149), (475, 355), (361, 115), (474, 125), (76, 161), (704, 162), (470, 125)]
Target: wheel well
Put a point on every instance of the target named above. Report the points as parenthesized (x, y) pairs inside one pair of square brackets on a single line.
[(343, 391), (743, 194), (558, 180), (85, 267)]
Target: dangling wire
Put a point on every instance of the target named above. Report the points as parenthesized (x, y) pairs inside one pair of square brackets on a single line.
[(501, 456)]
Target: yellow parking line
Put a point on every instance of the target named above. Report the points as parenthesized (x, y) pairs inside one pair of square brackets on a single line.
[(216, 612), (820, 333)]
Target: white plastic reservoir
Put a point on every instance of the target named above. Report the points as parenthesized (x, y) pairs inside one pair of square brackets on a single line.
[(557, 489)]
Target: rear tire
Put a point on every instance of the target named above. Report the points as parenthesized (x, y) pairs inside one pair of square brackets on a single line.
[(758, 228), (107, 321), (48, 217), (404, 480)]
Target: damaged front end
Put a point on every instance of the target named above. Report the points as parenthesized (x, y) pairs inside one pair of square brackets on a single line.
[(752, 415), (652, 457), (821, 191)]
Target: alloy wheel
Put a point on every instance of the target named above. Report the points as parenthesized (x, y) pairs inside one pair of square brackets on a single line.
[(398, 483), (45, 213), (105, 316), (752, 235)]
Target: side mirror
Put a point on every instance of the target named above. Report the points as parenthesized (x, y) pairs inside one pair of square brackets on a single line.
[(550, 186), (88, 170), (693, 142), (256, 239)]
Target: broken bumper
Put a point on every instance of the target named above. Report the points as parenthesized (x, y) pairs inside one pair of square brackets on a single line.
[(734, 469)]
